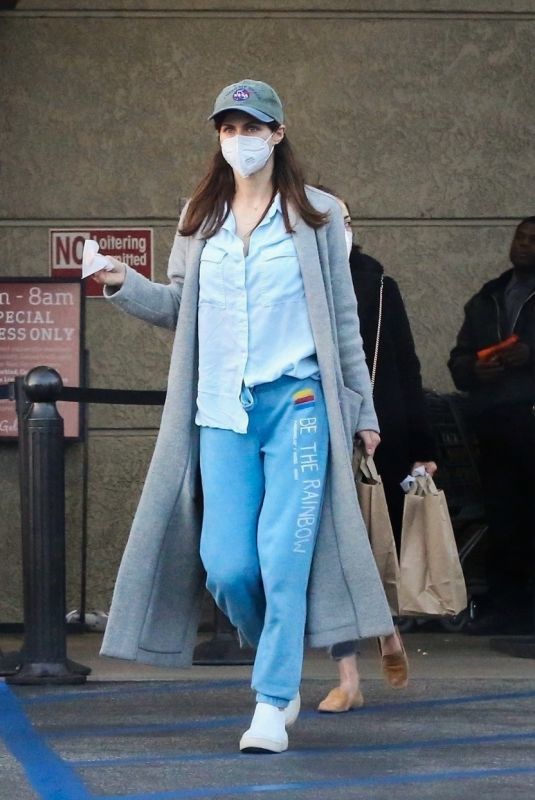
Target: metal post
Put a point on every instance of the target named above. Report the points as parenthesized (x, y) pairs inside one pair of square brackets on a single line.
[(11, 662), (45, 657), (85, 494)]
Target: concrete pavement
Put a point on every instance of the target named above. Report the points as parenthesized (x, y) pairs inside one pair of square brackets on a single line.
[(465, 725)]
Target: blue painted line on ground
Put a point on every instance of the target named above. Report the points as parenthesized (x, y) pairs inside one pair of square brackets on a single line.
[(49, 776), (314, 752), (223, 722), (171, 688), (446, 701), (340, 783), (55, 779)]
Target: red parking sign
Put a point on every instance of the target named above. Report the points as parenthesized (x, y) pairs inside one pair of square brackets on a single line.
[(132, 246)]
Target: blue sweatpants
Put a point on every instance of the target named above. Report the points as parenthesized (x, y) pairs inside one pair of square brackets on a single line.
[(263, 493)]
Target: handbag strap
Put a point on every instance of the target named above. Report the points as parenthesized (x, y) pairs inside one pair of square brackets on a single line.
[(378, 335)]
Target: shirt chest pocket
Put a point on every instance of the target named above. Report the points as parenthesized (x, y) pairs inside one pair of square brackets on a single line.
[(280, 274), (212, 276)]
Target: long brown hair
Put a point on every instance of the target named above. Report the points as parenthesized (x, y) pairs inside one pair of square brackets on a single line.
[(211, 201)]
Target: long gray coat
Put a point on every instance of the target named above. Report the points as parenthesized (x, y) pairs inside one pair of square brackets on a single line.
[(157, 598)]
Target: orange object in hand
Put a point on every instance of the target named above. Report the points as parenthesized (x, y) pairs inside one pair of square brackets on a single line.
[(495, 349)]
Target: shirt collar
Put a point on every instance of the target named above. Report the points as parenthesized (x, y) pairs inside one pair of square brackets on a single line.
[(229, 223)]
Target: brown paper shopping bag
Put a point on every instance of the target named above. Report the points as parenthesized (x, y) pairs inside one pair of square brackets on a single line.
[(431, 576), (374, 510)]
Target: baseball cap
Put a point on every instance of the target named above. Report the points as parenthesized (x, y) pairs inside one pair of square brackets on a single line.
[(256, 98)]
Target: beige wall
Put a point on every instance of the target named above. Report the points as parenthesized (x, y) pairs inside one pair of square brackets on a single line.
[(419, 111)]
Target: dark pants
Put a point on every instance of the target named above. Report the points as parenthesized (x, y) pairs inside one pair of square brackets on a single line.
[(507, 466), (343, 649)]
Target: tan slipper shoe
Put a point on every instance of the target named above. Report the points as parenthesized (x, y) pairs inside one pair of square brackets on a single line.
[(339, 700), (395, 666)]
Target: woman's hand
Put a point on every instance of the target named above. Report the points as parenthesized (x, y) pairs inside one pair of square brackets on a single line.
[(111, 277), (370, 440), (429, 466)]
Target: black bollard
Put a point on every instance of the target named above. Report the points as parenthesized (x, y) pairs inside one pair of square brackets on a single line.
[(43, 522)]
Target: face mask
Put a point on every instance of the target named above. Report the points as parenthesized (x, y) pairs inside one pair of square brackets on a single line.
[(246, 154), (349, 241)]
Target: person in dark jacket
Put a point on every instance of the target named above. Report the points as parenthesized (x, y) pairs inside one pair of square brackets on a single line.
[(406, 438), (502, 394)]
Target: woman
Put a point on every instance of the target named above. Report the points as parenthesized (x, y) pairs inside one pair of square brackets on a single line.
[(406, 438), (267, 387)]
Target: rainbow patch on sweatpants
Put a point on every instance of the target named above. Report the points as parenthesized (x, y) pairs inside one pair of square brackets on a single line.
[(304, 398)]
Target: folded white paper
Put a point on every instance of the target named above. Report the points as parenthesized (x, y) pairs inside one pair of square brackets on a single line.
[(407, 483), (92, 260)]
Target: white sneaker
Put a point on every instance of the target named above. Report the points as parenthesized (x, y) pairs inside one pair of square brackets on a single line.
[(267, 733), (291, 712)]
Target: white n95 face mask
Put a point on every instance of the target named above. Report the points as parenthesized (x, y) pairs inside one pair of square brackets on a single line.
[(246, 154)]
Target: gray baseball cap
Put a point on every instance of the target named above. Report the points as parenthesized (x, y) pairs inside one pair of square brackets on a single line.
[(256, 98)]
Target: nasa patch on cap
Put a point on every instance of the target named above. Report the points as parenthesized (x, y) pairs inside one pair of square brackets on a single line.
[(256, 98), (240, 95)]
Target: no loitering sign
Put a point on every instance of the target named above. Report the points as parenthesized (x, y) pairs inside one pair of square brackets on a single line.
[(132, 246)]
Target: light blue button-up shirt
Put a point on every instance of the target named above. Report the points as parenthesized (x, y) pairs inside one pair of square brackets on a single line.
[(253, 319)]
